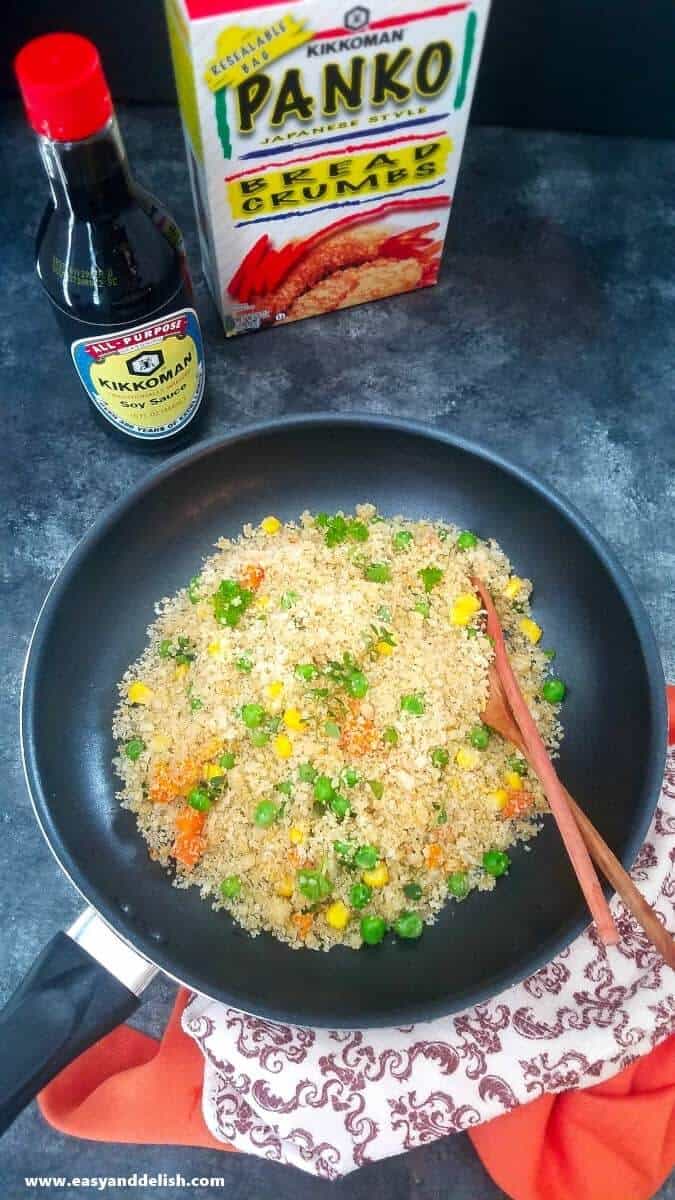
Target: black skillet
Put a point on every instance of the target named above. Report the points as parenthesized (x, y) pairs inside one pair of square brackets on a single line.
[(93, 624)]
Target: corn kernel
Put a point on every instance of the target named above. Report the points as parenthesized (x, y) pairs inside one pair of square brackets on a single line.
[(378, 877), (464, 608), (530, 629), (181, 670), (271, 525), (513, 587), (214, 649), (212, 771), (293, 720), (285, 887), (337, 915), (467, 758), (513, 781), (498, 800), (296, 836), (139, 693), (384, 648), (262, 601), (274, 689), (283, 746)]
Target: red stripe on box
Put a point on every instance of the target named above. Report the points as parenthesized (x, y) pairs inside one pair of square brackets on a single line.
[(390, 22), (198, 9)]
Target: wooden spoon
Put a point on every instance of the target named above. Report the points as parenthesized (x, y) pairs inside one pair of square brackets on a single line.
[(499, 717)]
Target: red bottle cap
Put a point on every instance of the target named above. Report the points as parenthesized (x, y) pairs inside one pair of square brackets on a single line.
[(64, 90)]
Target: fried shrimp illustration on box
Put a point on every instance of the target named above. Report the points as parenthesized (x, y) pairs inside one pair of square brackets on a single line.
[(345, 264)]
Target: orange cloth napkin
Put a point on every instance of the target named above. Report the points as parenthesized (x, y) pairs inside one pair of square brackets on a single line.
[(130, 1088), (615, 1141)]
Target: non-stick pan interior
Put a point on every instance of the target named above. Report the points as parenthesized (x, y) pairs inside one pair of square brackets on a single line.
[(93, 625)]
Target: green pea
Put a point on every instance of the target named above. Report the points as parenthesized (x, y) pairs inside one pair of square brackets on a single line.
[(413, 703), (440, 757), (413, 891), (227, 760), (373, 930), (286, 788), (339, 806), (199, 798), (165, 648), (554, 691), (479, 737), (331, 729), (366, 857), (244, 664), (496, 862), (458, 884), (378, 573), (467, 540), (359, 895), (288, 600), (515, 763), (259, 738), (442, 818), (550, 654), (306, 773), (402, 539), (351, 777), (409, 925), (134, 748), (306, 671), (430, 576), (230, 888), (377, 788), (423, 607), (323, 789), (252, 715), (266, 813), (356, 684), (196, 704), (314, 885), (390, 736), (193, 589)]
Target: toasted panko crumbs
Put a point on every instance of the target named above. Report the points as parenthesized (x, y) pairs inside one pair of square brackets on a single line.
[(305, 599)]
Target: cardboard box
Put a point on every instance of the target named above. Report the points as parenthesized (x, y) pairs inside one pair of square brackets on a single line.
[(324, 142)]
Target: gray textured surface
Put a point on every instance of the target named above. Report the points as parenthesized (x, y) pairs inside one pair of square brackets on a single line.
[(551, 338)]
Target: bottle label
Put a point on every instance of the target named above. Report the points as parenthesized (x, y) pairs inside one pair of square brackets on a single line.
[(147, 381)]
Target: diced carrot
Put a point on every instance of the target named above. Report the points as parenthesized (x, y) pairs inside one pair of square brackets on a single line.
[(358, 732), (168, 780), (188, 850), (433, 855), (518, 803), (251, 577), (190, 822), (303, 923)]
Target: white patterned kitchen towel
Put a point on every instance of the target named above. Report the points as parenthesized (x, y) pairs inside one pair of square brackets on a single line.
[(331, 1101)]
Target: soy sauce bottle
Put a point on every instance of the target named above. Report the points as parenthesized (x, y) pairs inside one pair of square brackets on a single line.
[(108, 254)]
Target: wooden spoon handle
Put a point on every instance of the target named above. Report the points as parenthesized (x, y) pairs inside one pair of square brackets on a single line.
[(623, 885)]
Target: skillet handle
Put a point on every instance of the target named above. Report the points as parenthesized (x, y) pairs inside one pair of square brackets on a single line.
[(68, 1000)]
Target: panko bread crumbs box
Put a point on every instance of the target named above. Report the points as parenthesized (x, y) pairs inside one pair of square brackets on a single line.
[(324, 142)]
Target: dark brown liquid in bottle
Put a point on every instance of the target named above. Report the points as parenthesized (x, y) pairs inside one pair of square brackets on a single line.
[(109, 256)]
